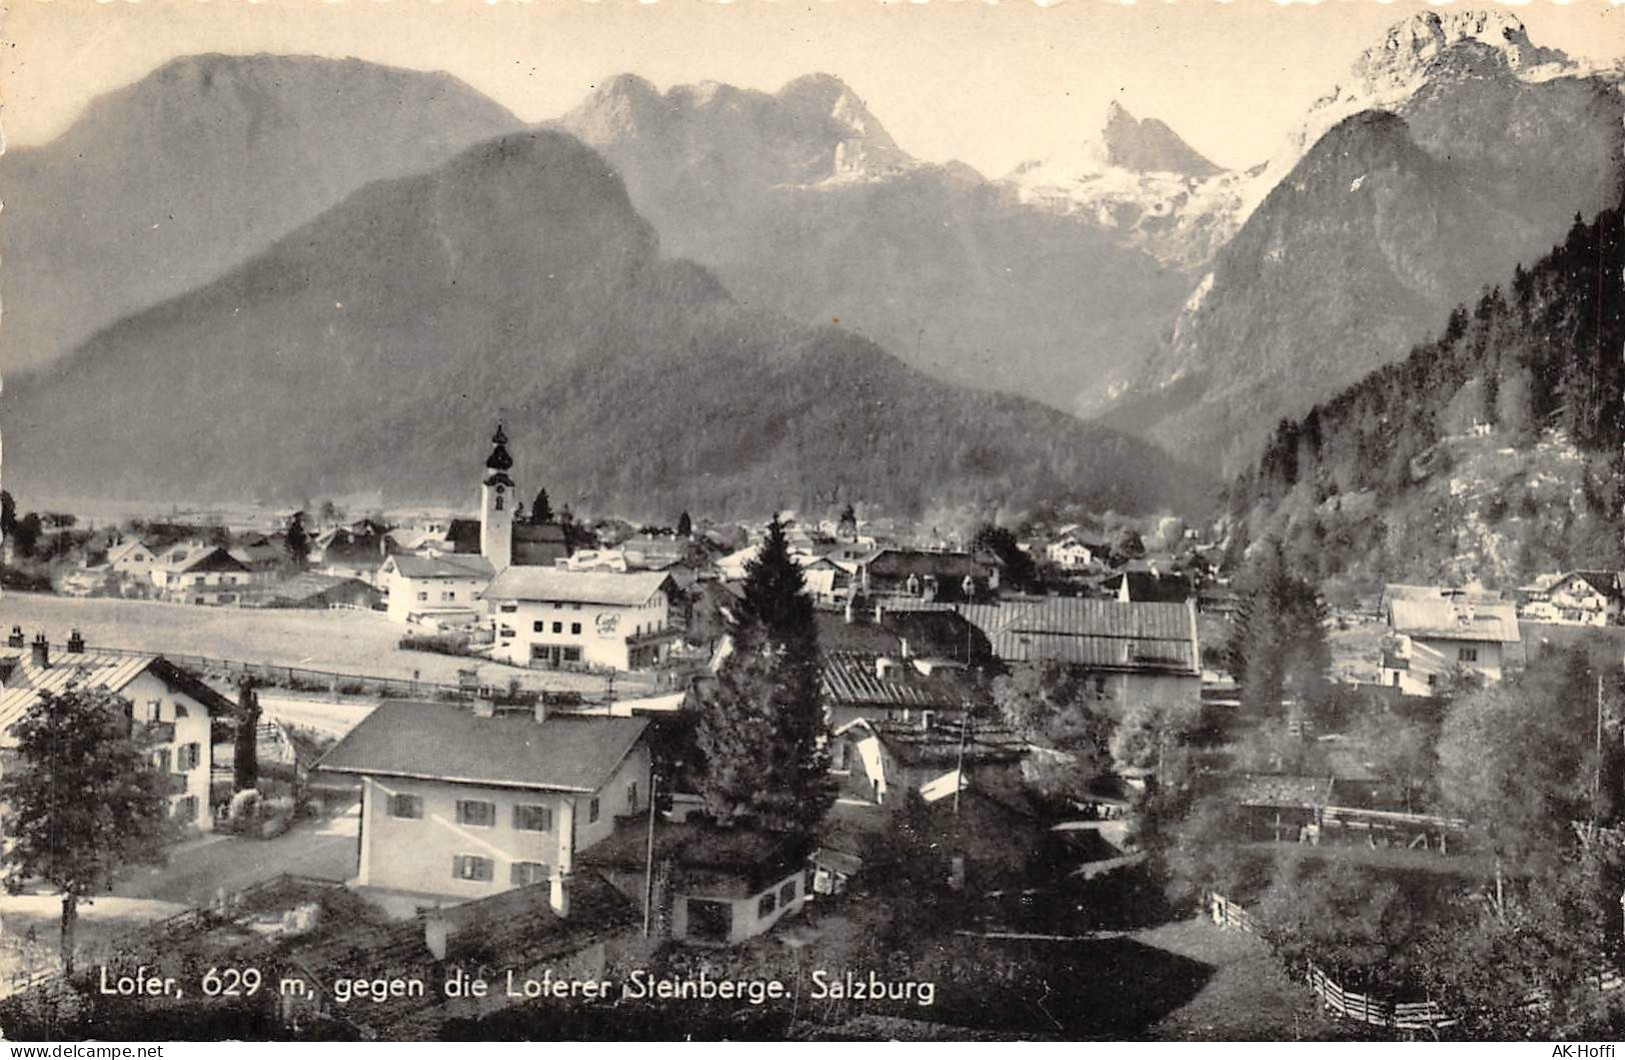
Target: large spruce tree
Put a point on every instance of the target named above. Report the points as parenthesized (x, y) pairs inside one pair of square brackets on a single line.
[(1277, 650), (762, 728)]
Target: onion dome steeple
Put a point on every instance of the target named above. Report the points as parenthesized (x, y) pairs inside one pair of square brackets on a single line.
[(499, 460)]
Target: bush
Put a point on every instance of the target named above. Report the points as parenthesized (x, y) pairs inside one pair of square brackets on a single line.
[(439, 643), (245, 805)]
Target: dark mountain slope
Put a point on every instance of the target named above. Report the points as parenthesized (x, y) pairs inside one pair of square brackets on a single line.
[(1387, 221), (1493, 451), (373, 348), (163, 185)]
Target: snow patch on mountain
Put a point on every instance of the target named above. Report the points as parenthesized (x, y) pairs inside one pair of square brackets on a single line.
[(1140, 180)]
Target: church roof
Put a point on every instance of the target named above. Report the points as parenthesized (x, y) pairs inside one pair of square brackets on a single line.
[(499, 460)]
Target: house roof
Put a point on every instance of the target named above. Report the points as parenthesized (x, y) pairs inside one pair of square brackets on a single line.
[(943, 743), (310, 584), (1604, 582), (1443, 620), (632, 589), (118, 552), (259, 552), (453, 566), (852, 679), (439, 741), (900, 563), (722, 861), (463, 535), (538, 546), (1396, 591), (209, 558), (93, 670), (1147, 586), (516, 928), (1280, 789), (1098, 634)]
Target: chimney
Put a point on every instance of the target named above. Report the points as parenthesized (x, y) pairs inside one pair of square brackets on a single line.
[(16, 640), (902, 646), (437, 932), (849, 610), (883, 667), (558, 898), (484, 707), (41, 651), (76, 643)]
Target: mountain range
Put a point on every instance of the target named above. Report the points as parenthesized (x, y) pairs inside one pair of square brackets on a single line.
[(801, 201), (1125, 273), (1481, 154), (160, 186), (379, 343)]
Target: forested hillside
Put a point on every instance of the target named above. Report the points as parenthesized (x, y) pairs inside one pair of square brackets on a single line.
[(1496, 448)]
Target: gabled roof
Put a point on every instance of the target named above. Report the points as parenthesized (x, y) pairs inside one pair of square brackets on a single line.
[(118, 552), (632, 589), (94, 670), (1148, 586), (538, 545), (1604, 582), (259, 552), (210, 558), (852, 679), (943, 743), (311, 584), (1443, 620), (725, 861), (900, 563), (453, 566), (449, 742), (463, 535), (1097, 634)]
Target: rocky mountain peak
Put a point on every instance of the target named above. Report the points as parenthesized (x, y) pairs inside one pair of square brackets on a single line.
[(1149, 146), (1416, 43)]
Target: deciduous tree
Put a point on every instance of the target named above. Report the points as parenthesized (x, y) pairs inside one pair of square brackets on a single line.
[(84, 799)]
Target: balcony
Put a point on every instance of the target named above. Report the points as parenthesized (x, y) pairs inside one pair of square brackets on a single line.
[(653, 636), (156, 731)]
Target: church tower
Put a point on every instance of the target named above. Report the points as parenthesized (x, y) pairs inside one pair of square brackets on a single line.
[(497, 498)]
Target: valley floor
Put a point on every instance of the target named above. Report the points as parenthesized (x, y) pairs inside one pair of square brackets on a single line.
[(351, 642)]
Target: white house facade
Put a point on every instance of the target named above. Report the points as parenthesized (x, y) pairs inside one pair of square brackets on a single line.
[(560, 619)]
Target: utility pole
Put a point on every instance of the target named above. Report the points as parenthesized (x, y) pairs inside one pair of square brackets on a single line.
[(959, 770), (1596, 790), (649, 859)]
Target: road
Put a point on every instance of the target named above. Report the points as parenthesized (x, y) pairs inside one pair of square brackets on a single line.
[(200, 870), (326, 716)]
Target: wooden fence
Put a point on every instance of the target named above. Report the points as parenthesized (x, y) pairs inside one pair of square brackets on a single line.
[(1379, 1012)]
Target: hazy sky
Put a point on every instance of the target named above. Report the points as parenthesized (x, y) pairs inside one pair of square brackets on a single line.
[(991, 84)]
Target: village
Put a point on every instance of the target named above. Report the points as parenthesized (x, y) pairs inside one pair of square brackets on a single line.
[(1001, 719)]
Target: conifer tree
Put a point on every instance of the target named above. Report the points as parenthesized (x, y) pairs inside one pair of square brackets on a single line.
[(245, 749), (1277, 649), (685, 526), (541, 511), (762, 729), (297, 542)]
